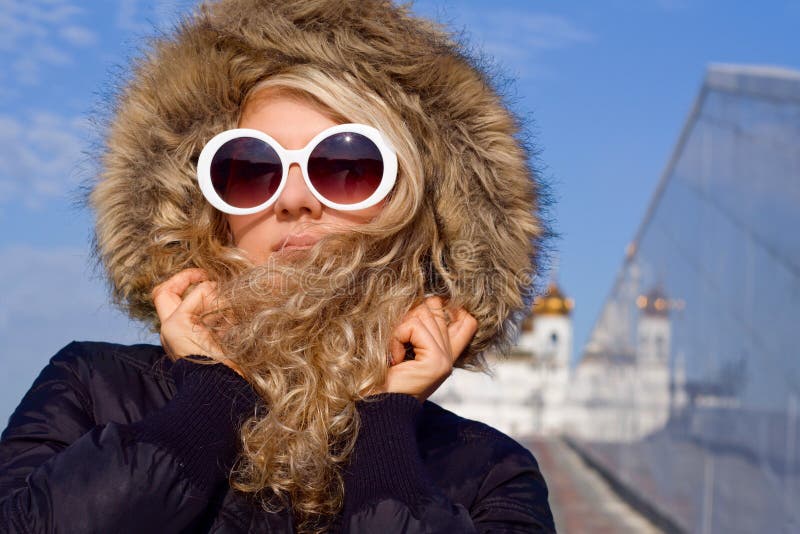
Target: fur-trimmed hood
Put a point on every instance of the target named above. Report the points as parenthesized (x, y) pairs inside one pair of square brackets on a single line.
[(189, 86)]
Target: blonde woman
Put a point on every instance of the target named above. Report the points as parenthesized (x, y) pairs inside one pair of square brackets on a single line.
[(323, 207)]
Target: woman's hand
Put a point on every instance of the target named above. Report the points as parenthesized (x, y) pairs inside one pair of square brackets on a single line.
[(182, 331), (438, 336)]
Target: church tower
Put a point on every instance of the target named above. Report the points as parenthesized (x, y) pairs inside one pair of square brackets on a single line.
[(653, 327), (547, 332), (653, 343)]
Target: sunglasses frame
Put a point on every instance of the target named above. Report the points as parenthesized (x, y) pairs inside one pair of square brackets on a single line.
[(299, 156)]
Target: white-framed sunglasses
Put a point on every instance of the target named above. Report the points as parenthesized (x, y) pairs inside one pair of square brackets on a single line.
[(346, 167)]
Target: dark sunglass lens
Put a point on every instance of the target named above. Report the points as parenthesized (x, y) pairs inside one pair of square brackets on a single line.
[(346, 168), (245, 172)]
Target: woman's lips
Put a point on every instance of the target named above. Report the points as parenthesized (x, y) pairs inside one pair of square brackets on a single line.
[(297, 241)]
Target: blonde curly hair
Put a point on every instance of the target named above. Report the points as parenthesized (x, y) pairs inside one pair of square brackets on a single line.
[(311, 334)]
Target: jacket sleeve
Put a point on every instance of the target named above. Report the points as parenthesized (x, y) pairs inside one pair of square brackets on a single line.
[(388, 490), (59, 472)]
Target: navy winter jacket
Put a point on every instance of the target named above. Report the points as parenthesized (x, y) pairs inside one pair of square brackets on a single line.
[(118, 438)]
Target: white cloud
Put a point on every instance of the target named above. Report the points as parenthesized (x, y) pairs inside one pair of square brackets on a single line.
[(537, 31), (38, 33), (520, 34), (78, 35), (40, 157), (516, 38), (134, 17), (128, 18)]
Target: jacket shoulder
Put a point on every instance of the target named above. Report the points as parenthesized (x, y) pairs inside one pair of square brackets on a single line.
[(440, 427), (119, 382), (94, 355), (489, 472)]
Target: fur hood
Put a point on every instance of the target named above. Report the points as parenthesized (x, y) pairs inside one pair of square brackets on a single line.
[(188, 86)]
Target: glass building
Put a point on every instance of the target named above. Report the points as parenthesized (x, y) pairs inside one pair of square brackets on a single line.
[(688, 392)]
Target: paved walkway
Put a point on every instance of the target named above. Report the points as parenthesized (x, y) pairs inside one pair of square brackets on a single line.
[(581, 501)]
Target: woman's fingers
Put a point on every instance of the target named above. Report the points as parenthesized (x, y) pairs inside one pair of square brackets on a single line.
[(183, 327), (431, 311), (461, 331), (415, 332), (198, 301), (437, 320), (184, 317), (168, 295), (434, 309), (397, 351), (430, 366), (439, 335)]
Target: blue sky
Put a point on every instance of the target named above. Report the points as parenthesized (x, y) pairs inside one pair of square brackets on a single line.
[(606, 84)]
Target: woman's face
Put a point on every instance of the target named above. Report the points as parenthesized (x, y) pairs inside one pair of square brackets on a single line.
[(293, 123)]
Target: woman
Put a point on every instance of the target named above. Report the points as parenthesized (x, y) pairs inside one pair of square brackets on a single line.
[(330, 199)]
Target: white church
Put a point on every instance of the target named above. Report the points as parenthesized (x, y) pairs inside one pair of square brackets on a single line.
[(608, 396)]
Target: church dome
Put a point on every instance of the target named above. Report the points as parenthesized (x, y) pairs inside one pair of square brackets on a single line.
[(553, 302), (654, 303)]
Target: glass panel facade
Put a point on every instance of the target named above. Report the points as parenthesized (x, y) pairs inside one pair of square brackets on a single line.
[(697, 339)]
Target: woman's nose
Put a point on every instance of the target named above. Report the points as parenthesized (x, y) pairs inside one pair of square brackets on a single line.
[(296, 199)]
